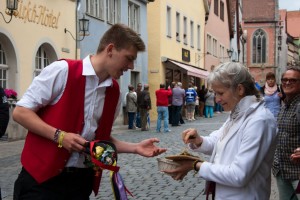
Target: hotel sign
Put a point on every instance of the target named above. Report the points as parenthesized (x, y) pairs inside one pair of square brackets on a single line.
[(186, 55), (39, 14)]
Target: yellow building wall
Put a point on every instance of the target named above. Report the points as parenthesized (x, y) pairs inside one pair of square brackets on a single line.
[(38, 22), (162, 46)]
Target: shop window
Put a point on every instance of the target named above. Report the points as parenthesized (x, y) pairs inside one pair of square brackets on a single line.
[(3, 68), (41, 60)]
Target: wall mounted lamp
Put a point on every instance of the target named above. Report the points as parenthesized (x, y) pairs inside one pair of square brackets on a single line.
[(83, 28), (11, 9), (229, 52)]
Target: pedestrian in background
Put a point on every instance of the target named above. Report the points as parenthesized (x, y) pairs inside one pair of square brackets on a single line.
[(178, 95), (170, 106), (201, 95), (4, 112), (131, 106), (162, 102), (272, 94), (286, 166), (144, 107), (242, 149), (190, 99), (138, 115), (70, 103), (209, 103), (196, 111)]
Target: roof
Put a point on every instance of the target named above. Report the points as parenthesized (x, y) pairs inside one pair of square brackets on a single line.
[(293, 21)]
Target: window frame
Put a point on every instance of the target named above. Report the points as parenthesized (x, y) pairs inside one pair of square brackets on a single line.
[(95, 8), (41, 61), (134, 15), (259, 47), (178, 26), (169, 21), (113, 11)]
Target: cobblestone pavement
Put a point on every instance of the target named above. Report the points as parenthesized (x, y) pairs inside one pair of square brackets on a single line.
[(140, 174)]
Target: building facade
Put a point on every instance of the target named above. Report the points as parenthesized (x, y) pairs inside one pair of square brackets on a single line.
[(218, 32), (31, 40), (260, 19), (176, 44), (102, 14)]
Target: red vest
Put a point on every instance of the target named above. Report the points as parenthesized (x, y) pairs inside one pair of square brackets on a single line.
[(41, 157)]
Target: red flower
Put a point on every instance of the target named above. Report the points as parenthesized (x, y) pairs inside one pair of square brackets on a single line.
[(10, 93)]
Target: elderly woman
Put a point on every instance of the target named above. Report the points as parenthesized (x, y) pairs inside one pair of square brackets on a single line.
[(242, 149)]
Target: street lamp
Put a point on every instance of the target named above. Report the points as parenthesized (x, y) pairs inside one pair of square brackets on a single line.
[(243, 39), (83, 28), (11, 9), (229, 52)]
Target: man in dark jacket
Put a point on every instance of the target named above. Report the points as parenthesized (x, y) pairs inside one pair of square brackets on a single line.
[(144, 106), (4, 112)]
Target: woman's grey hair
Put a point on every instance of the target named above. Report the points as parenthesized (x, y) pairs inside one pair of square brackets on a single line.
[(231, 74)]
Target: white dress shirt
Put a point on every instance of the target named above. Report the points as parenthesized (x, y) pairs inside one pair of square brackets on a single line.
[(48, 87)]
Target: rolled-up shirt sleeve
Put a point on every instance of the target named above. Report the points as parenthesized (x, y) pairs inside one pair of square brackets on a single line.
[(47, 87)]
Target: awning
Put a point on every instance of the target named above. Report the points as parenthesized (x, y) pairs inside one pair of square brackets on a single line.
[(192, 71)]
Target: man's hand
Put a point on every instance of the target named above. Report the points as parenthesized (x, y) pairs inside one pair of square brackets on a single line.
[(73, 142), (295, 157), (148, 149)]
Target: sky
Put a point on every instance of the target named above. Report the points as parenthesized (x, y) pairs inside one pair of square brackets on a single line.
[(289, 4)]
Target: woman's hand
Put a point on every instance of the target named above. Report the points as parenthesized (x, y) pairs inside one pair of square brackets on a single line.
[(295, 157), (180, 172), (148, 149), (191, 136)]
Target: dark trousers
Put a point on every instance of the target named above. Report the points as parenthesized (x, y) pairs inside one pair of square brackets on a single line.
[(143, 113), (171, 113), (131, 116), (72, 184), (176, 115)]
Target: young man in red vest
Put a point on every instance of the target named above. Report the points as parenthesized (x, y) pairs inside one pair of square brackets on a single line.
[(69, 103)]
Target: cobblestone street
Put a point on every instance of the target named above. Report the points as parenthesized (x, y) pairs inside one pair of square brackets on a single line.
[(140, 175)]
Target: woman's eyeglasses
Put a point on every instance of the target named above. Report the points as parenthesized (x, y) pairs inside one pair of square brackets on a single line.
[(290, 80)]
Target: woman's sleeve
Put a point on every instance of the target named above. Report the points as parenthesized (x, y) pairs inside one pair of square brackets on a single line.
[(258, 140)]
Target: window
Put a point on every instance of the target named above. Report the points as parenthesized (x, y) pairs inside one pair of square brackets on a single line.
[(222, 10), (216, 7), (192, 33), (199, 37), (113, 11), (209, 42), (95, 8), (221, 54), (178, 26), (185, 30), (134, 16), (3, 68), (41, 61), (169, 22), (259, 46), (215, 47)]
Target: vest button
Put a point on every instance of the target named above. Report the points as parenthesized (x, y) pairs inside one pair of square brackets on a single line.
[(60, 170)]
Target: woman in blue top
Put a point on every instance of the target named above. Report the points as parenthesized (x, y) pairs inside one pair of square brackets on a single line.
[(190, 99), (272, 94)]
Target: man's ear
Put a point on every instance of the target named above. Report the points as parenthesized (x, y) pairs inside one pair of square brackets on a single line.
[(241, 90), (109, 49)]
